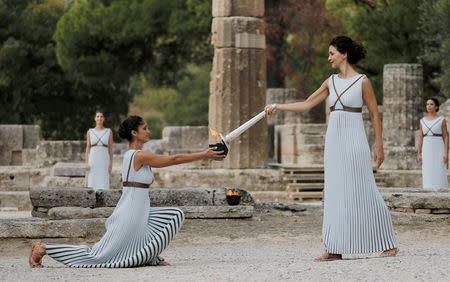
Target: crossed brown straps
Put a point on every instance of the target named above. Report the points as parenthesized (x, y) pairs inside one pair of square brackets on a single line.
[(344, 108), (99, 139), (430, 127), (132, 183)]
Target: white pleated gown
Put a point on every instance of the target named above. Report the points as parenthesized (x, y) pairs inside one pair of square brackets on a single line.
[(434, 170), (98, 174), (135, 233), (356, 218)]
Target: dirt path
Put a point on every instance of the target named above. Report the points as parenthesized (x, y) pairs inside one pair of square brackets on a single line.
[(268, 248)]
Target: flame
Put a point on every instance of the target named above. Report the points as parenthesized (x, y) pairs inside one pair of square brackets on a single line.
[(232, 193), (214, 133)]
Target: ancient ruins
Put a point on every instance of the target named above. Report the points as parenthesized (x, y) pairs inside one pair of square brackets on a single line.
[(278, 159)]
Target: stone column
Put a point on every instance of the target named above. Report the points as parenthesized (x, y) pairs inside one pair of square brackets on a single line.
[(238, 80), (402, 103)]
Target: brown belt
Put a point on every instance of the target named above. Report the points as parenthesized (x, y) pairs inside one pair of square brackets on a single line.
[(100, 145), (346, 109), (434, 135), (135, 184)]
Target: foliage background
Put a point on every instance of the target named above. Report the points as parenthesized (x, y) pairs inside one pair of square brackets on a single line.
[(62, 59)]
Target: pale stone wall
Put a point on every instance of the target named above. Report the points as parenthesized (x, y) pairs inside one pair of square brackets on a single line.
[(403, 92), (238, 80), (14, 138)]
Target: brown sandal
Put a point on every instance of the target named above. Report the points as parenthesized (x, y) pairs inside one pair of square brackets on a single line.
[(328, 257), (389, 253), (36, 255)]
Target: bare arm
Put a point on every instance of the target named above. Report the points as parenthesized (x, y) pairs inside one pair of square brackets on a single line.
[(419, 144), (317, 97), (154, 160), (445, 135), (371, 102), (88, 150), (111, 153)]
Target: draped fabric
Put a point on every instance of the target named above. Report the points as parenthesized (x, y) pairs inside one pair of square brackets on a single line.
[(434, 170), (135, 232), (356, 218)]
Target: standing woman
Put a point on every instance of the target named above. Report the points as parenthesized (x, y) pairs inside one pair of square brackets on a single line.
[(356, 219), (99, 153), (433, 142), (135, 232)]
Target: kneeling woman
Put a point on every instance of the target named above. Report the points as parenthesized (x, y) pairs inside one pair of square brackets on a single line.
[(135, 232)]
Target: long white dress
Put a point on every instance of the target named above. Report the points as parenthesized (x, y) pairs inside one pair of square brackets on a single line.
[(98, 174), (434, 170), (135, 233), (356, 218)]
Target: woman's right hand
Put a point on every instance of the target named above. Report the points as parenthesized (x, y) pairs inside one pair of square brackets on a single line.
[(87, 167), (419, 158), (213, 155), (270, 109)]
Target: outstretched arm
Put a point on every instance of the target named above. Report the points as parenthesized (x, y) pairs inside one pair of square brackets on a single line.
[(317, 97), (154, 160), (371, 102)]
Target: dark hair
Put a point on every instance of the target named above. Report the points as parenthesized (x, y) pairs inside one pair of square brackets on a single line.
[(355, 50), (99, 111), (436, 102), (130, 123)]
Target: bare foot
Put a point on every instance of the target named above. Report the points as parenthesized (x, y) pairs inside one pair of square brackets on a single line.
[(389, 253), (37, 253), (327, 256), (163, 263)]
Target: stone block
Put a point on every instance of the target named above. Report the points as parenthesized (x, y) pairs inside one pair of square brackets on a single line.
[(227, 8), (404, 210), (51, 152), (108, 198), (217, 211), (440, 211), (11, 139), (423, 211), (68, 169), (40, 228), (181, 197), (237, 93), (425, 200), (29, 157), (63, 197), (31, 136), (17, 199), (238, 32), (79, 212)]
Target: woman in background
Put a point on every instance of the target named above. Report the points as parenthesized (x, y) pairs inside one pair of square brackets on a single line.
[(99, 153), (432, 148)]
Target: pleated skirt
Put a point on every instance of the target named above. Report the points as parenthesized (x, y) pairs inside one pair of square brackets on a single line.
[(356, 218), (434, 170), (98, 175), (135, 235)]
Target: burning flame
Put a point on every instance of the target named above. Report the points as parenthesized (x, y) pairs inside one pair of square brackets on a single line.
[(214, 133), (232, 193)]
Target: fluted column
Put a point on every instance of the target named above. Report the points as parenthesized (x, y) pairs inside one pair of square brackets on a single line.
[(238, 80), (402, 102)]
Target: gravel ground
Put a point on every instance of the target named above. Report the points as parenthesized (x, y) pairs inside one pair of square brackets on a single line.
[(265, 248)]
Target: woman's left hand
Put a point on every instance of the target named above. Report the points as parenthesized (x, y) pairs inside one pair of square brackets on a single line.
[(379, 156), (110, 168), (445, 158)]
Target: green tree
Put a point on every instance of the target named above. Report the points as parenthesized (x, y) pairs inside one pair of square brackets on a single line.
[(435, 26), (389, 30)]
